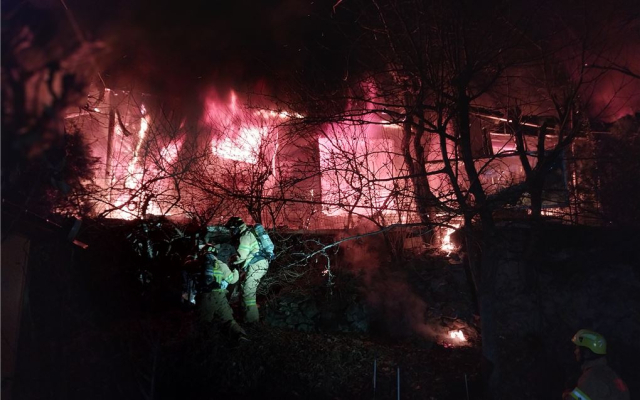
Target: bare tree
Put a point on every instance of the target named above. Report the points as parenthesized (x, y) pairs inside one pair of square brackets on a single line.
[(43, 169), (433, 69), (144, 156), (241, 165)]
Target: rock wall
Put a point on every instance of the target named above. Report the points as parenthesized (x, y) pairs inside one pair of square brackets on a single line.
[(377, 292)]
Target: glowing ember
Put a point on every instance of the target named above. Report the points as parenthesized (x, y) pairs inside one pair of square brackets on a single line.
[(457, 335)]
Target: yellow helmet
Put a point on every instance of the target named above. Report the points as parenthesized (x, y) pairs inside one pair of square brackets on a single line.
[(591, 340)]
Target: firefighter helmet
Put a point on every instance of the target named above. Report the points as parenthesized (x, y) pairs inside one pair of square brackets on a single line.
[(591, 340), (234, 224)]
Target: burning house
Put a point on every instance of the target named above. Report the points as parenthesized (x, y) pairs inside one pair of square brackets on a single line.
[(389, 125), (249, 160)]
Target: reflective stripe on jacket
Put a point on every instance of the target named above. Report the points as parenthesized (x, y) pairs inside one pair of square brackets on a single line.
[(220, 272), (599, 382), (248, 248)]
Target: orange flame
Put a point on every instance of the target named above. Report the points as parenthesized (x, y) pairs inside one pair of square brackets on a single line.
[(134, 169), (243, 148), (447, 245)]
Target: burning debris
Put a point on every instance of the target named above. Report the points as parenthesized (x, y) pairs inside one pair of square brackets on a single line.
[(447, 244), (457, 335), (455, 338)]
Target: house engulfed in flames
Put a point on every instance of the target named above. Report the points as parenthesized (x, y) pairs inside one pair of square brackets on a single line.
[(248, 160)]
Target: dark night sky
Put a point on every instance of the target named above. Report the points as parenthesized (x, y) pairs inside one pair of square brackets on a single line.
[(175, 47), (180, 49)]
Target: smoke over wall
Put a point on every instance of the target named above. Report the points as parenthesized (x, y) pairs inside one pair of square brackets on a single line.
[(397, 309)]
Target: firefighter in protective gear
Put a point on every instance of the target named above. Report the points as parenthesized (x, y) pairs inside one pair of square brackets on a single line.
[(598, 381), (252, 261), (212, 291)]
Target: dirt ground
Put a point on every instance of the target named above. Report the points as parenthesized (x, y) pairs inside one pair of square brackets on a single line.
[(286, 364), (91, 333), (91, 330)]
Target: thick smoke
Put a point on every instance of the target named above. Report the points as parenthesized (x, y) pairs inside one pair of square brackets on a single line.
[(182, 51), (395, 308)]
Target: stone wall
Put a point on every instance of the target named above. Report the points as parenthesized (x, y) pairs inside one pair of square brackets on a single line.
[(575, 278)]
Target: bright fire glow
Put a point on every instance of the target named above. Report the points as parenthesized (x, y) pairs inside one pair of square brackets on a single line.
[(138, 168), (553, 212), (361, 163), (170, 153), (447, 245), (234, 102), (244, 147), (141, 155), (457, 335), (125, 212), (238, 133), (357, 163), (274, 114), (130, 207), (134, 170)]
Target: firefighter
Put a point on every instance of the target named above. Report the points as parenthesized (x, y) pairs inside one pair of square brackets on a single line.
[(598, 381), (212, 291), (251, 260)]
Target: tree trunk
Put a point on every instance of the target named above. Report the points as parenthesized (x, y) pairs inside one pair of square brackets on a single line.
[(424, 198), (462, 126), (535, 190), (490, 364), (472, 262), (488, 245)]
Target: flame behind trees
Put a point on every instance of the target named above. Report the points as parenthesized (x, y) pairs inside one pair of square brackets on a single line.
[(436, 66), (240, 168), (401, 147), (223, 165), (416, 75)]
